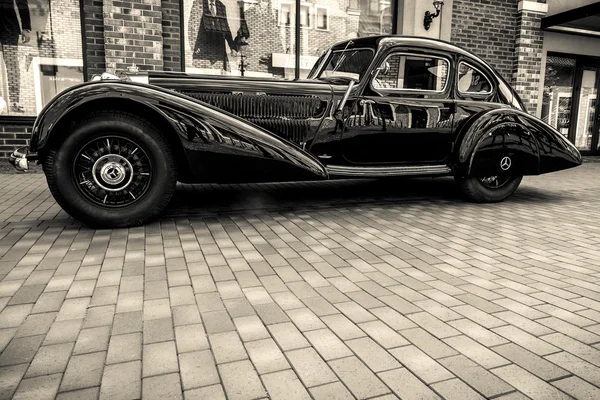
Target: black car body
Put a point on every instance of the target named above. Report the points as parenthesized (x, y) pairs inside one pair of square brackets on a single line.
[(371, 107)]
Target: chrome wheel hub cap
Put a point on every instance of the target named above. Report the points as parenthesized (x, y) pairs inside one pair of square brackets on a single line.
[(112, 172)]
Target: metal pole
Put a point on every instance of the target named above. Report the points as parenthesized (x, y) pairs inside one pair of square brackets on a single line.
[(297, 71)]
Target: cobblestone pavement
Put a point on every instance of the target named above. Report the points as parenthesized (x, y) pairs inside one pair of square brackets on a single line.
[(329, 290)]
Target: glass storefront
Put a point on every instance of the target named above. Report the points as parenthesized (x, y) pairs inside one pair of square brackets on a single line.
[(570, 99), (40, 53), (258, 37)]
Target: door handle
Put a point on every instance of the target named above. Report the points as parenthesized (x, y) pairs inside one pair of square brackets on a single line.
[(366, 101)]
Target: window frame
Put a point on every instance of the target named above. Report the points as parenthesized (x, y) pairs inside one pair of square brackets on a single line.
[(317, 8), (291, 22), (414, 91), (479, 95)]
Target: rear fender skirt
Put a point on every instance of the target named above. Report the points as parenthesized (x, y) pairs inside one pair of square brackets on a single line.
[(218, 145), (532, 146)]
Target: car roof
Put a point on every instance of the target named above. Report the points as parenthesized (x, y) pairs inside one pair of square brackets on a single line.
[(416, 41)]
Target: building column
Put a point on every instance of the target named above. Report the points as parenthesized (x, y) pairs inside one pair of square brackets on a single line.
[(133, 34), (528, 52)]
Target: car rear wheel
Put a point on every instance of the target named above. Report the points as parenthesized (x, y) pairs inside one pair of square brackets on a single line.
[(113, 170), (489, 189)]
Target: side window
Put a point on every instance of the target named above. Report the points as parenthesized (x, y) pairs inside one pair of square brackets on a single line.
[(472, 81), (412, 72)]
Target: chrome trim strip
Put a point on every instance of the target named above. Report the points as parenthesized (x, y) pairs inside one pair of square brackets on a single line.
[(340, 170)]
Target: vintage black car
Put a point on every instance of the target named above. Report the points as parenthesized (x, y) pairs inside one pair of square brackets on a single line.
[(112, 150)]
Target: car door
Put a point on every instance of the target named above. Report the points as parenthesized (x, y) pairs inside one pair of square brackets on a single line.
[(405, 113)]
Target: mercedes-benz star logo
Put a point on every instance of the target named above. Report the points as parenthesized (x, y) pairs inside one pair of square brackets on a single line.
[(113, 173), (505, 163)]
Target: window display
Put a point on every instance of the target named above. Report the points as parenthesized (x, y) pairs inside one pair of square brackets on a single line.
[(258, 37), (40, 51), (558, 93)]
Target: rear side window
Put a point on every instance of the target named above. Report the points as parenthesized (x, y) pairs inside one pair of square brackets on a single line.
[(472, 81), (412, 73)]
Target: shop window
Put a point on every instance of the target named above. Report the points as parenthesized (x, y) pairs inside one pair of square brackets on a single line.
[(322, 18), (413, 73), (558, 93), (40, 53), (472, 81), (260, 34)]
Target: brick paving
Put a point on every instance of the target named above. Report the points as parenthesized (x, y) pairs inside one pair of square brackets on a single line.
[(329, 290)]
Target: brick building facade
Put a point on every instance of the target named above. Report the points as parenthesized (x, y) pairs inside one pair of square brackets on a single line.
[(148, 33)]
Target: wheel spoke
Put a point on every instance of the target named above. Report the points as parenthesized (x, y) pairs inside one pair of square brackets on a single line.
[(113, 171)]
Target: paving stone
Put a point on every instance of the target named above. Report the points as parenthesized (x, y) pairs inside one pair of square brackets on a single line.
[(105, 295), (39, 387), (433, 325), (227, 347), (50, 360), (358, 378), (99, 316), (372, 354), (577, 366), (49, 302), (27, 294), (476, 352), (570, 330), (284, 385), (154, 309), (241, 381), (250, 328), (428, 343), (82, 394), (478, 332), (531, 362), (128, 322), (123, 348), (327, 344), (574, 347), (190, 338), (122, 381), (420, 364), (305, 319), (92, 340), (186, 315), (158, 330), (475, 376), (455, 389), (10, 377), (83, 371), (524, 339), (578, 388), (159, 358), (13, 316), (214, 392), (311, 368), (21, 350), (406, 385), (63, 331), (480, 317), (343, 327), (287, 336), (331, 391), (162, 387), (528, 383), (271, 313), (523, 323), (393, 318), (198, 368), (36, 324), (383, 334)]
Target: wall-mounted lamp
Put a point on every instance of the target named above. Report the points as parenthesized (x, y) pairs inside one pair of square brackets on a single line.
[(438, 4)]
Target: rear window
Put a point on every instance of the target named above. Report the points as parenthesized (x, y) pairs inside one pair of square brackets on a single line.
[(413, 72)]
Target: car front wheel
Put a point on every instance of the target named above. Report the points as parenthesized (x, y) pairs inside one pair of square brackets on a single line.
[(113, 170), (489, 189)]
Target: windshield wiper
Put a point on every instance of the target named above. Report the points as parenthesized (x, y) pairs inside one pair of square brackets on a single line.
[(343, 57)]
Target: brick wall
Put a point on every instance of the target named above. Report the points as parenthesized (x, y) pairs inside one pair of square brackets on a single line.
[(133, 34), (528, 57), (488, 29), (94, 36), (13, 135), (171, 31)]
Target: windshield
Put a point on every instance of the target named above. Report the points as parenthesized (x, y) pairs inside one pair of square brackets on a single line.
[(351, 63)]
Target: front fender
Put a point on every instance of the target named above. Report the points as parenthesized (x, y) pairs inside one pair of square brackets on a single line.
[(532, 146), (218, 146)]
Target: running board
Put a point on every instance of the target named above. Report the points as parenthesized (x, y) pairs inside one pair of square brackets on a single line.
[(365, 172)]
